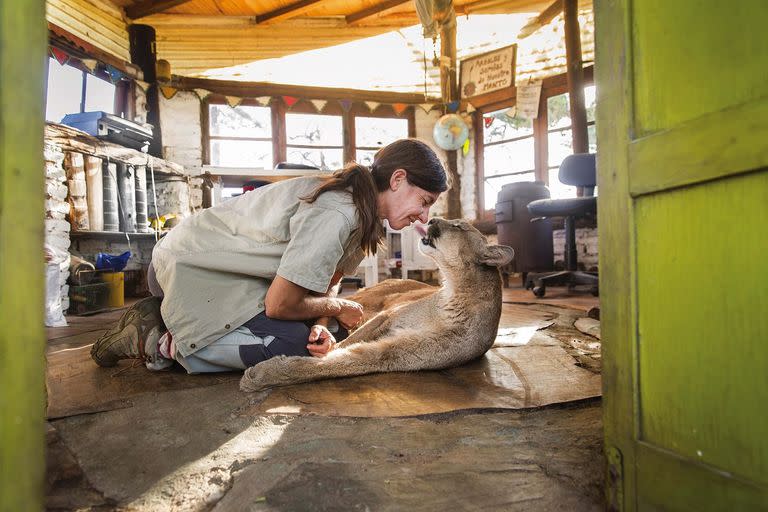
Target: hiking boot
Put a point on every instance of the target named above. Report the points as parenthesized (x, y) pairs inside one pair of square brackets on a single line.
[(134, 337)]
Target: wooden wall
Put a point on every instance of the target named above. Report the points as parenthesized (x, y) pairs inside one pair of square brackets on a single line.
[(98, 22)]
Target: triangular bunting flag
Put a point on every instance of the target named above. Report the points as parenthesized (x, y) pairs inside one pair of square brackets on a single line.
[(233, 101), (465, 147), (168, 92), (115, 75), (60, 55), (263, 100), (319, 104), (372, 105), (202, 93), (290, 100), (399, 108), (144, 86), (426, 107), (90, 64), (470, 108), (452, 106), (487, 121), (345, 104)]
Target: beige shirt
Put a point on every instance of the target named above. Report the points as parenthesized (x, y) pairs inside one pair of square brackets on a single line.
[(216, 266)]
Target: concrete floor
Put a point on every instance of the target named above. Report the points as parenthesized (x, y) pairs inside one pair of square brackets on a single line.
[(207, 448)]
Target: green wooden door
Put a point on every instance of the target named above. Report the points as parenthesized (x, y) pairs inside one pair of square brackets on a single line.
[(682, 122), (22, 339)]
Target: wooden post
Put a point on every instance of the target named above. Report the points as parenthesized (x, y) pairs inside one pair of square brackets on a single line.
[(23, 47), (449, 92), (575, 75), (143, 54)]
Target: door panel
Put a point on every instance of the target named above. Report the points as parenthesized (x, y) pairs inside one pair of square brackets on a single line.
[(692, 58), (702, 323)]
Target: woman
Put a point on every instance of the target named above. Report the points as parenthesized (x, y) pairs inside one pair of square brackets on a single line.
[(256, 276)]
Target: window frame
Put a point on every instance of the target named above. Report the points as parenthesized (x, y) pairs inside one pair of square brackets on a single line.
[(551, 86), (304, 106)]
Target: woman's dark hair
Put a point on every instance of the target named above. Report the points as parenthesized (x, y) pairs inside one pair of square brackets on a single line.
[(423, 169)]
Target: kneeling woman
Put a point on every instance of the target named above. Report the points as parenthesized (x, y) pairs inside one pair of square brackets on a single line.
[(256, 276)]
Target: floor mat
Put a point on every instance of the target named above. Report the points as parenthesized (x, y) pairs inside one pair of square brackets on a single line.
[(76, 385), (526, 368)]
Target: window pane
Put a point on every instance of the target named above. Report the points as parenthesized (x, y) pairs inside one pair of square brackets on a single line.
[(242, 121), (560, 145), (592, 136), (65, 86), (99, 95), (327, 159), (590, 100), (557, 189), (493, 187), (379, 131), (509, 157), (241, 153), (498, 126), (365, 156), (313, 129), (558, 111)]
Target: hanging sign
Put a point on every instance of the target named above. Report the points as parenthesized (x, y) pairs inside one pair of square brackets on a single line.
[(488, 72), (527, 101)]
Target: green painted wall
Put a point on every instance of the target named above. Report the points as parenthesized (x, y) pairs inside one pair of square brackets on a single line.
[(23, 44)]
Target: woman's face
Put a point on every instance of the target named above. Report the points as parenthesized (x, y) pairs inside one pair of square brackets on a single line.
[(403, 204)]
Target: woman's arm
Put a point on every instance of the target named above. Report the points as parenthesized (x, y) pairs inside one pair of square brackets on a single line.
[(288, 301)]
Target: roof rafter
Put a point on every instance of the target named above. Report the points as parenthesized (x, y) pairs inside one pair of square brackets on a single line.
[(289, 11), (147, 7), (358, 16)]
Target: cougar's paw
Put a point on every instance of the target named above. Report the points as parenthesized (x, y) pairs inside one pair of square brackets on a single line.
[(254, 379)]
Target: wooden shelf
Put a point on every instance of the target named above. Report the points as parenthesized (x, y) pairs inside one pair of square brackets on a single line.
[(113, 235), (235, 176)]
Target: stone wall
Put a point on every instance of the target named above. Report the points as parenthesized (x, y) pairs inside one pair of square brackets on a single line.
[(586, 247), (56, 214)]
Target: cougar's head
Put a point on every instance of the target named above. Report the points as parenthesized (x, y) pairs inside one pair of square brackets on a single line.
[(455, 243)]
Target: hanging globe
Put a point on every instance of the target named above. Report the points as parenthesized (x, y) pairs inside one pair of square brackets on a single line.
[(450, 132)]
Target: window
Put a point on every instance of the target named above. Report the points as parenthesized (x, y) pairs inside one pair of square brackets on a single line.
[(72, 90), (373, 133), (559, 137), (508, 154), (314, 139), (240, 136)]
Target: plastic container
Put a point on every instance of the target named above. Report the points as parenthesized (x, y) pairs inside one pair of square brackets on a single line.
[(116, 282)]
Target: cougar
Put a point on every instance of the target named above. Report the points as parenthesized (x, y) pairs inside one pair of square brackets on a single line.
[(448, 328)]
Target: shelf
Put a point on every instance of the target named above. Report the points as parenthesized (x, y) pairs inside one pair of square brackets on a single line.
[(236, 176), (112, 234)]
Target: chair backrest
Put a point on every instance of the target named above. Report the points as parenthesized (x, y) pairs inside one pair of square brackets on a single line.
[(579, 170)]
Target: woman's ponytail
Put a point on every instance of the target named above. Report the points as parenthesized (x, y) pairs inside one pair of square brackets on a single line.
[(358, 178)]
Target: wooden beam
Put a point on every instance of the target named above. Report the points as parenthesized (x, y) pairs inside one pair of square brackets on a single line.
[(147, 7), (575, 75), (542, 19), (289, 11), (255, 89), (356, 17)]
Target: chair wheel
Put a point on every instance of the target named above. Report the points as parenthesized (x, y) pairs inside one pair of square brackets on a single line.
[(539, 291)]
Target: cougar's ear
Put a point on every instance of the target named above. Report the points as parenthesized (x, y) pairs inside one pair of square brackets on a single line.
[(497, 255)]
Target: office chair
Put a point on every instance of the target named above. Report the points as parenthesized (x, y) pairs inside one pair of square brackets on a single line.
[(578, 170)]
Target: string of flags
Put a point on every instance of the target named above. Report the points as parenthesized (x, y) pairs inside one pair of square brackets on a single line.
[(62, 57)]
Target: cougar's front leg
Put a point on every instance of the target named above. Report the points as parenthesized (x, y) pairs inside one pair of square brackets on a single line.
[(369, 331)]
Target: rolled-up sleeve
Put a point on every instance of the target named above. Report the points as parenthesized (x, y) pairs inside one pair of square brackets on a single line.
[(318, 237)]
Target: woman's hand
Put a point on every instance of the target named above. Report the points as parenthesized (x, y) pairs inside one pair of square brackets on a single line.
[(321, 341), (351, 314)]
